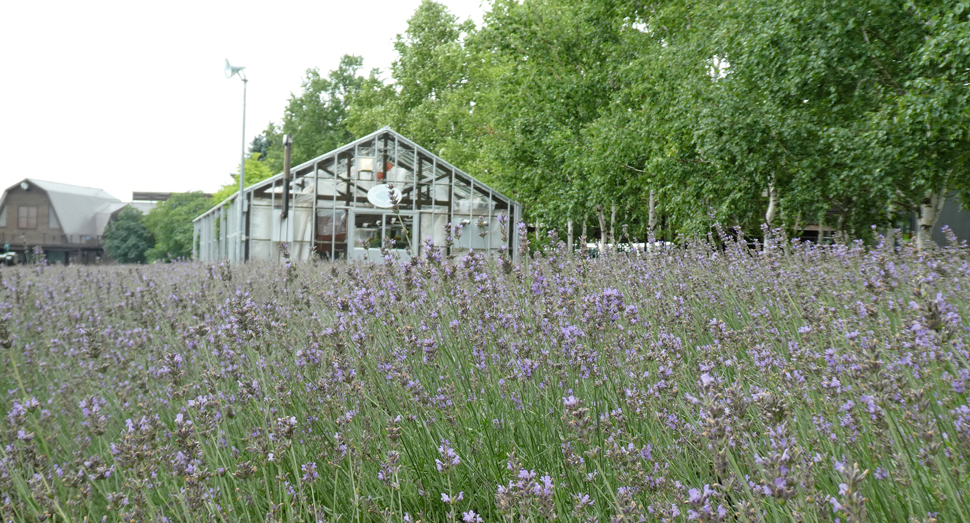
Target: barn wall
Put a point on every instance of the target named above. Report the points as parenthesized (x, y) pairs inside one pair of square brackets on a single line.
[(43, 234)]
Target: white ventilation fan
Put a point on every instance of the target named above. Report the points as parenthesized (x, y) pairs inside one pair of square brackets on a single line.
[(383, 197)]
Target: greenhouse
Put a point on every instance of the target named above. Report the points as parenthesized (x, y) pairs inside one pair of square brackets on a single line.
[(341, 206)]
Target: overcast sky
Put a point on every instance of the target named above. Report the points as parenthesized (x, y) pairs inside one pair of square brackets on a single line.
[(131, 96)]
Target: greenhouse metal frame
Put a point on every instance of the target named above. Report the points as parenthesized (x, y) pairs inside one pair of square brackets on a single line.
[(329, 214)]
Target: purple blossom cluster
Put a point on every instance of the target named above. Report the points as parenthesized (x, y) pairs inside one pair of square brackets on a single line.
[(712, 382)]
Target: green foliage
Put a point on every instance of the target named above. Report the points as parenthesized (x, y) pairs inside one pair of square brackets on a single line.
[(556, 78), (256, 171), (852, 106), (260, 146), (316, 118), (858, 107), (170, 222), (437, 96), (126, 239)]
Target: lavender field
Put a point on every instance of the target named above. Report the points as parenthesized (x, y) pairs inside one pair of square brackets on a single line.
[(792, 383)]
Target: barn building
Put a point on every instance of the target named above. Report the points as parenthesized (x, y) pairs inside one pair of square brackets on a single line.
[(64, 221), (338, 206)]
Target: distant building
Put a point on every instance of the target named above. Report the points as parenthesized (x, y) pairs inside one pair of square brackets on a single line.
[(65, 221), (146, 201), (956, 217)]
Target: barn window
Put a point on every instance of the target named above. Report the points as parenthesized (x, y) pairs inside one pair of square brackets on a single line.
[(3, 217), (27, 217)]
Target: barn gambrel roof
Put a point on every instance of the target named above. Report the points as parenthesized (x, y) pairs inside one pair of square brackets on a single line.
[(82, 211)]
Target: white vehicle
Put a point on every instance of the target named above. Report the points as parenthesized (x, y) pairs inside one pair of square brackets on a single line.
[(8, 258)]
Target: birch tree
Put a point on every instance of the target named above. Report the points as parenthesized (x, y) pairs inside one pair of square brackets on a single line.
[(857, 106)]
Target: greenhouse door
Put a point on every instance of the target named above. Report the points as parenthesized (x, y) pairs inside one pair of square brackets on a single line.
[(370, 228)]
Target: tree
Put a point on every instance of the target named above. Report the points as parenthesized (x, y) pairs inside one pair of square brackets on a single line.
[(679, 113), (170, 222), (435, 96), (755, 110), (260, 145), (316, 118), (880, 89), (126, 239), (679, 126), (554, 78), (256, 171)]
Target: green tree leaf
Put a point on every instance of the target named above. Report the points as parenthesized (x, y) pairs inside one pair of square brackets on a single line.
[(170, 222), (126, 239), (316, 118), (256, 171)]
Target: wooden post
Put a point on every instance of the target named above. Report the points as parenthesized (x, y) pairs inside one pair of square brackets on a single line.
[(350, 159), (929, 212), (384, 160)]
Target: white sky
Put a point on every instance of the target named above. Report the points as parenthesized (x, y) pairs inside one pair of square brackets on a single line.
[(131, 96)]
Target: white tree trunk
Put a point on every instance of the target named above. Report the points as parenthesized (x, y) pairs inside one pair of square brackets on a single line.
[(652, 215), (613, 225), (600, 214), (821, 228), (929, 213), (569, 235), (772, 202)]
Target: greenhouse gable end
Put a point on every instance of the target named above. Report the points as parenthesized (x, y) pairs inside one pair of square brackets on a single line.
[(339, 207)]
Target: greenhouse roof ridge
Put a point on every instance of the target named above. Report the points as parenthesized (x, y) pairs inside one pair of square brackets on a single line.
[(344, 148)]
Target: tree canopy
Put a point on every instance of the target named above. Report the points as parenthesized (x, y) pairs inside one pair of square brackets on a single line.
[(126, 239), (745, 112), (170, 222), (316, 118), (256, 171)]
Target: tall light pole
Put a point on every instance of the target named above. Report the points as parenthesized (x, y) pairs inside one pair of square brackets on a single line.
[(240, 200)]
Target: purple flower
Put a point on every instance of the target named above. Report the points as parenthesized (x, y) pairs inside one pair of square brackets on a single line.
[(706, 380), (448, 457), (445, 498), (694, 495), (310, 474)]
